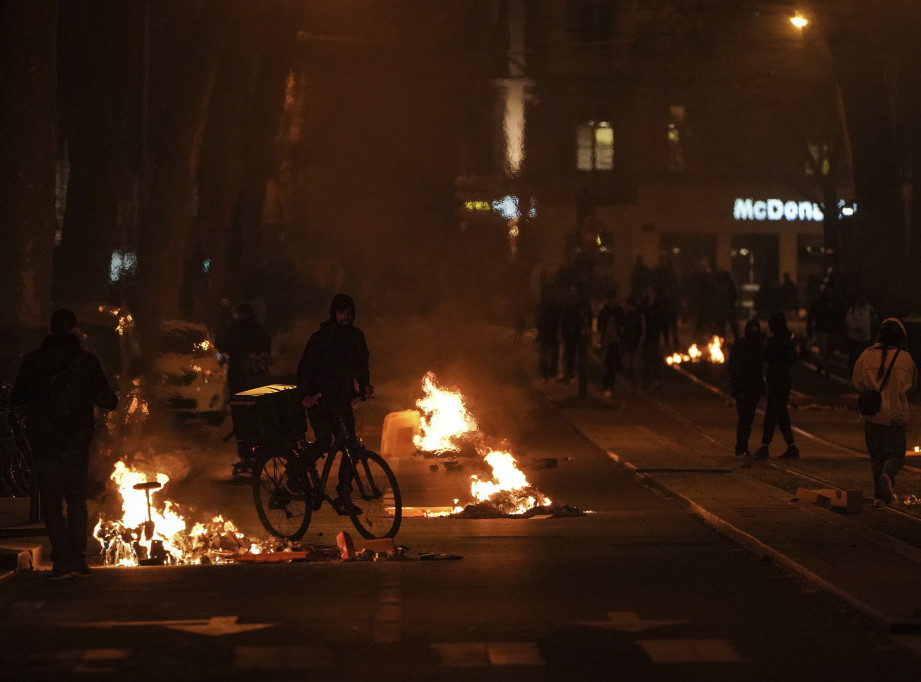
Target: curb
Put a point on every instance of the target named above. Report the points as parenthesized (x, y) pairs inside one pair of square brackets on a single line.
[(20, 556), (756, 546)]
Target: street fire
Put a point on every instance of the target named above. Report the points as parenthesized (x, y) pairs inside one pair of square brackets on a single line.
[(446, 426), (714, 353), (148, 535), (445, 418)]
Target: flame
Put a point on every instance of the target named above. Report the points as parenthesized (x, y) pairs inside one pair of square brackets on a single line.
[(507, 478), (445, 425), (124, 541), (695, 354), (444, 418)]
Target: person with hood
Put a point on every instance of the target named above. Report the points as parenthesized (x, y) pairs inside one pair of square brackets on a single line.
[(779, 354), (884, 432), (746, 379), (332, 372), (248, 347), (57, 387)]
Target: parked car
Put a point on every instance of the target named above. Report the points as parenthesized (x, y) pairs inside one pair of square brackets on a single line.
[(189, 374)]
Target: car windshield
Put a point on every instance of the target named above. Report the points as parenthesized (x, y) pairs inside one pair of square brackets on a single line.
[(181, 341)]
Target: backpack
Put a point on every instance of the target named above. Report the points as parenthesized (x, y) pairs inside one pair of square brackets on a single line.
[(67, 397)]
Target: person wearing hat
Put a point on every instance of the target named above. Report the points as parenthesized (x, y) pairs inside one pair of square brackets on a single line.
[(333, 371), (884, 431), (57, 387)]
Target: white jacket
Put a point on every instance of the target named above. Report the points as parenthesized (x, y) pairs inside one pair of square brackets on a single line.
[(903, 378)]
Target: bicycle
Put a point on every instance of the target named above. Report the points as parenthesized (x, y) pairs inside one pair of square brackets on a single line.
[(288, 488), (15, 451)]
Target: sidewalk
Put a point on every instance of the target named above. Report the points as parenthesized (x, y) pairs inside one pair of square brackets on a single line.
[(23, 545), (878, 575)]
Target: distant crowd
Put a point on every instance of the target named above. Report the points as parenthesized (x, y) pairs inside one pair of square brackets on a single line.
[(632, 331)]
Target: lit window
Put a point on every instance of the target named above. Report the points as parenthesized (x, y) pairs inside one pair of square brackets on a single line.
[(594, 146), (818, 158), (675, 138)]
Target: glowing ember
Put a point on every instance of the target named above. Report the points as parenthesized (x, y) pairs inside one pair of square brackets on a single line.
[(444, 418), (695, 354), (152, 534)]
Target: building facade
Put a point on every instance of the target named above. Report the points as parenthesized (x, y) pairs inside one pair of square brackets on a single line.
[(709, 136)]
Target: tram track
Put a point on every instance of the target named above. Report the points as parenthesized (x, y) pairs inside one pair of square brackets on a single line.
[(909, 514)]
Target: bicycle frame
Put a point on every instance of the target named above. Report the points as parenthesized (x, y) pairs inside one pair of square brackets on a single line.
[(344, 444)]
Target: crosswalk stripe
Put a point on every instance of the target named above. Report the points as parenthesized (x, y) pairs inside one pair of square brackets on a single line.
[(690, 651)]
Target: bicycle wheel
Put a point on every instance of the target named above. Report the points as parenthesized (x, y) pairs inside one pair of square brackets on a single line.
[(21, 462), (280, 502), (376, 494)]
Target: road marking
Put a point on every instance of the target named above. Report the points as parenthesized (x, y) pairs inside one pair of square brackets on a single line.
[(389, 611), (216, 626), (628, 621), (480, 654), (690, 651), (282, 657), (98, 660), (26, 605)]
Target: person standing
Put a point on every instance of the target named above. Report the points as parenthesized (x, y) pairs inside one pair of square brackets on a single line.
[(779, 355), (884, 432), (575, 317), (57, 387), (248, 347), (332, 372), (746, 379), (610, 328), (548, 330), (860, 320), (632, 340), (656, 326)]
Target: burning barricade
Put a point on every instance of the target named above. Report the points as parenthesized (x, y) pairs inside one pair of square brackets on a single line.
[(713, 353), (148, 534), (448, 432)]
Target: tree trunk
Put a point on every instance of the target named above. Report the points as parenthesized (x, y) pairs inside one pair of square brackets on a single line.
[(28, 31), (165, 244)]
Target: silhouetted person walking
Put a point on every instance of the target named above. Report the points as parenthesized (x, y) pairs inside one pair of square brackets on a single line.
[(746, 379), (884, 431), (57, 387), (779, 355)]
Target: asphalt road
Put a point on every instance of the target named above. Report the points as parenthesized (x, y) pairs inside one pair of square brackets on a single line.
[(636, 589)]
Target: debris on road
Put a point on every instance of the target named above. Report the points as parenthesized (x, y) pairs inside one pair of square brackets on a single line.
[(848, 501)]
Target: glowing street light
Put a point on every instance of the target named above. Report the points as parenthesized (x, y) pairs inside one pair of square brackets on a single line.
[(799, 21)]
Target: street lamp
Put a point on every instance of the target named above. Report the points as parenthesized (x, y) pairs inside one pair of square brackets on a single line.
[(799, 21)]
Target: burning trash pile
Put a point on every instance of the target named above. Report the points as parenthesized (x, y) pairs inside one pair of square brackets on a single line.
[(501, 488), (713, 353), (148, 535)]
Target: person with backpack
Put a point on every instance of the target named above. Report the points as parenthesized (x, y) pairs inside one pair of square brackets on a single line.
[(883, 367), (57, 387)]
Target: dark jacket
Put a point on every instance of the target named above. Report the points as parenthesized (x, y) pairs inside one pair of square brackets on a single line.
[(249, 346), (780, 355), (334, 359), (32, 392), (746, 367)]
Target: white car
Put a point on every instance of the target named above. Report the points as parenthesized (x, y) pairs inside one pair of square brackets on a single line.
[(189, 373)]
